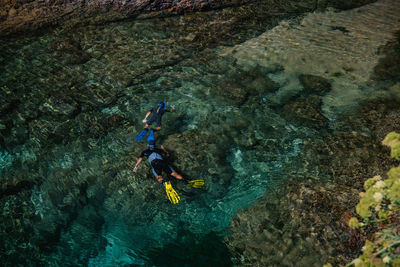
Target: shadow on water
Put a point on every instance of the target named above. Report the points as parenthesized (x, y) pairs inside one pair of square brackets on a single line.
[(193, 250)]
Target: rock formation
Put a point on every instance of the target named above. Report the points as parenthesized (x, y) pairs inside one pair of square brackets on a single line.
[(29, 15)]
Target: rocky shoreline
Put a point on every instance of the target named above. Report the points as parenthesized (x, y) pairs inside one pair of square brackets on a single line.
[(29, 15)]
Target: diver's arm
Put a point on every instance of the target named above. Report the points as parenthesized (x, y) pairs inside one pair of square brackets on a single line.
[(165, 151), (145, 118), (137, 164)]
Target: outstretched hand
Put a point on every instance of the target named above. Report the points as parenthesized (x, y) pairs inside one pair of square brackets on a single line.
[(135, 169), (144, 121)]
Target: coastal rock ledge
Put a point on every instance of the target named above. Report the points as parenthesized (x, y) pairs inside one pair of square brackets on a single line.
[(27, 15)]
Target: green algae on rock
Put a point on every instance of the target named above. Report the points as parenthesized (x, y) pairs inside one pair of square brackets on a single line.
[(379, 208), (393, 141)]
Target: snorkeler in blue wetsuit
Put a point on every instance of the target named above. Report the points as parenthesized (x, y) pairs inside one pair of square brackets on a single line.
[(158, 165), (157, 112)]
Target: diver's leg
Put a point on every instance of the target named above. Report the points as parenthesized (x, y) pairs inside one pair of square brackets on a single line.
[(149, 122), (160, 179), (168, 169), (157, 174), (174, 173), (177, 175), (158, 124)]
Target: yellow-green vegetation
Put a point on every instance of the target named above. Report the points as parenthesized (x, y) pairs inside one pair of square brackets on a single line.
[(354, 223), (393, 140), (379, 209)]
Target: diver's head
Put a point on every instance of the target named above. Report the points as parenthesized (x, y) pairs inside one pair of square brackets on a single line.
[(151, 144), (160, 106)]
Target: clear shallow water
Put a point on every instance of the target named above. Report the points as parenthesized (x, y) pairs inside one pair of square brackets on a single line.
[(76, 101)]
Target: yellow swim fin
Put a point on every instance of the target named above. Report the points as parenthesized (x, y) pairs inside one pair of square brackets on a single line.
[(196, 183), (171, 193)]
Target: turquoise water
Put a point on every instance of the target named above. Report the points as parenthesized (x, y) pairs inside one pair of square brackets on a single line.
[(73, 101)]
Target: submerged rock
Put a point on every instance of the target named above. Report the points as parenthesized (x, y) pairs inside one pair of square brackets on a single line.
[(84, 231), (17, 229), (69, 51), (8, 101), (339, 47), (193, 150), (342, 4), (314, 84), (306, 111), (239, 85), (388, 67), (383, 116), (306, 227), (59, 105), (232, 92)]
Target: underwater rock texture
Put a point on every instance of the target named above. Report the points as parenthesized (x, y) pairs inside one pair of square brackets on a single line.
[(32, 14), (73, 102), (339, 47), (388, 68), (308, 225)]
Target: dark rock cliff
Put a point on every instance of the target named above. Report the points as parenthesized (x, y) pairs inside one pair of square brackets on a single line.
[(27, 15)]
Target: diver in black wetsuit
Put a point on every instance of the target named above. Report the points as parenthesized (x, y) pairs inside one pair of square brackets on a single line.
[(158, 165), (157, 112)]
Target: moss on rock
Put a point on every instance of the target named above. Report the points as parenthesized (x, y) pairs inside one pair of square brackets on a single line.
[(379, 208), (393, 141)]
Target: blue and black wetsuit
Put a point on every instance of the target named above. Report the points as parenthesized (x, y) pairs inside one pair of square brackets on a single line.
[(157, 114), (157, 163)]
